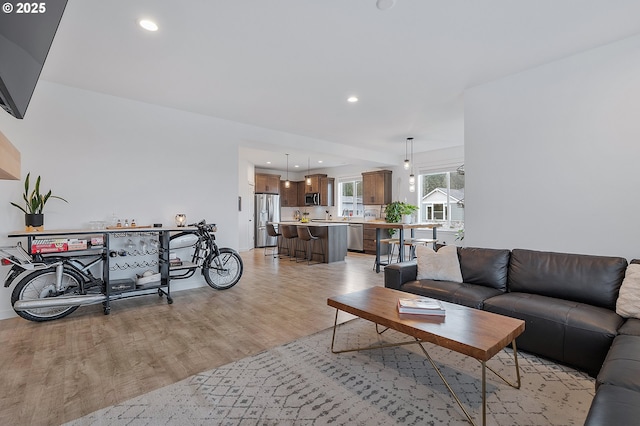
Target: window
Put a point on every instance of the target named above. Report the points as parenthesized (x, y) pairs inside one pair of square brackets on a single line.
[(442, 198), (350, 197)]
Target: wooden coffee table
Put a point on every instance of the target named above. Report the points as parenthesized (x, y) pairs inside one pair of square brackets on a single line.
[(468, 331)]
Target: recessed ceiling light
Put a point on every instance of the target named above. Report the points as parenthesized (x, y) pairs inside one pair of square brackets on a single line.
[(385, 4), (320, 161), (352, 99), (148, 25), (268, 162), (296, 166)]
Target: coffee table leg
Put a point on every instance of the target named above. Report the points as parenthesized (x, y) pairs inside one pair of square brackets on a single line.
[(484, 393), (333, 338), (365, 348), (515, 385), (453, 394)]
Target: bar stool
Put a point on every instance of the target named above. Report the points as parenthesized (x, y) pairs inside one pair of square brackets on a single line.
[(421, 242), (409, 243), (271, 231), (304, 234), (290, 234), (389, 242)]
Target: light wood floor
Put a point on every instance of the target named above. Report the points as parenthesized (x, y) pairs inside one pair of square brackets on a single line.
[(57, 371)]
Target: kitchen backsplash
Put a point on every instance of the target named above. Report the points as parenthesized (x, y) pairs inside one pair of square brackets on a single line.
[(320, 212)]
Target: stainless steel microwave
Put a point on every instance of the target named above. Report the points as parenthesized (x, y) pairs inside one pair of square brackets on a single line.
[(312, 199)]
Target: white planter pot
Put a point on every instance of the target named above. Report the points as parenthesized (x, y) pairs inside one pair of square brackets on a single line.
[(407, 218)]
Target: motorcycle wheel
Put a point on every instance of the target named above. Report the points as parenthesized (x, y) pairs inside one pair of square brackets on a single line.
[(224, 271), (39, 285)]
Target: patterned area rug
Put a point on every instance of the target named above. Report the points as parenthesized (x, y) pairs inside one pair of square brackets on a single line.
[(303, 383)]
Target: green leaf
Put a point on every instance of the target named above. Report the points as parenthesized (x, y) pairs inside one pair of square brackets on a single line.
[(37, 188), (20, 207), (26, 184)]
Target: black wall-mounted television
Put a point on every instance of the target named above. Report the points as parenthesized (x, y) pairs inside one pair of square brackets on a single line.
[(26, 34)]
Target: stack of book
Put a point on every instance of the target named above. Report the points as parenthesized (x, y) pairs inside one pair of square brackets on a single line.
[(174, 260), (420, 306)]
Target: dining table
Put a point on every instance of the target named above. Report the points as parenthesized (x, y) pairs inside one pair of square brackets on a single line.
[(401, 227)]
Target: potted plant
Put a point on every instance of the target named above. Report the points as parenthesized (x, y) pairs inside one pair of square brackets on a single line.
[(407, 212), (398, 211), (34, 204), (393, 212)]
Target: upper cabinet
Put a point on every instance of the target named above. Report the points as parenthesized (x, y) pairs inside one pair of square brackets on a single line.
[(312, 183), (294, 196), (327, 192), (267, 183), (301, 191), (289, 196), (376, 187)]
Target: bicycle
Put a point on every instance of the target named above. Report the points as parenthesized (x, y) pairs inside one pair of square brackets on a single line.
[(51, 287)]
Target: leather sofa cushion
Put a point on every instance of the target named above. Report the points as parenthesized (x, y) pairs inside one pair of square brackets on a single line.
[(485, 267), (630, 326), (594, 280), (470, 295), (622, 365), (397, 274), (614, 405), (573, 333)]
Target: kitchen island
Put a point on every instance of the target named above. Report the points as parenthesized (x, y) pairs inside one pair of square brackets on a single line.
[(333, 236)]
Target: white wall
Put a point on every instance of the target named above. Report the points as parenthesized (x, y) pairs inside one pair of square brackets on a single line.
[(109, 155), (246, 229), (551, 156)]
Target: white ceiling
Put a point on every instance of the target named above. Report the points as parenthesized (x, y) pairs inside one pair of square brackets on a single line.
[(289, 65)]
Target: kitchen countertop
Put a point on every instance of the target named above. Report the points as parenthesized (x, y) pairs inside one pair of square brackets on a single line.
[(347, 221), (313, 223)]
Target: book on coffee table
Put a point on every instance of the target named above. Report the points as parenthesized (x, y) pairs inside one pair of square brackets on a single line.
[(420, 306)]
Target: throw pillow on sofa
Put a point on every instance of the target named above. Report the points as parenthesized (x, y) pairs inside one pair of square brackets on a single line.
[(628, 303), (441, 265)]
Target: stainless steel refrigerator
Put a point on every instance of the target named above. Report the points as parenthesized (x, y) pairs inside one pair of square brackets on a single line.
[(267, 210)]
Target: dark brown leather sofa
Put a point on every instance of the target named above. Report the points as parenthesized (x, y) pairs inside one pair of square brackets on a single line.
[(617, 400), (568, 304)]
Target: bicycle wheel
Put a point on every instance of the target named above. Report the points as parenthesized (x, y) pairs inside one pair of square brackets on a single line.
[(38, 285), (224, 271)]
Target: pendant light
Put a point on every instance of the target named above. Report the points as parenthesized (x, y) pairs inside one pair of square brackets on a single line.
[(406, 164), (308, 171), (412, 177), (287, 184)]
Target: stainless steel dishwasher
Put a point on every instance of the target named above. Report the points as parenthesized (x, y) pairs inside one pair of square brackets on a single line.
[(355, 237)]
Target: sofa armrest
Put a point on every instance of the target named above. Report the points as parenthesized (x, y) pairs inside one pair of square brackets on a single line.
[(399, 273)]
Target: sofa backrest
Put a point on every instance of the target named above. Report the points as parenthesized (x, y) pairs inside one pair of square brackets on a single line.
[(594, 280), (483, 266)]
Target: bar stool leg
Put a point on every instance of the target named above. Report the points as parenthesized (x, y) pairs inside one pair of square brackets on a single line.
[(297, 249)]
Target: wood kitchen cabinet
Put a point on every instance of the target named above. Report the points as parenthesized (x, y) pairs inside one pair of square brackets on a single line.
[(369, 240), (267, 183), (327, 191), (289, 196), (302, 189), (315, 185), (376, 187)]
